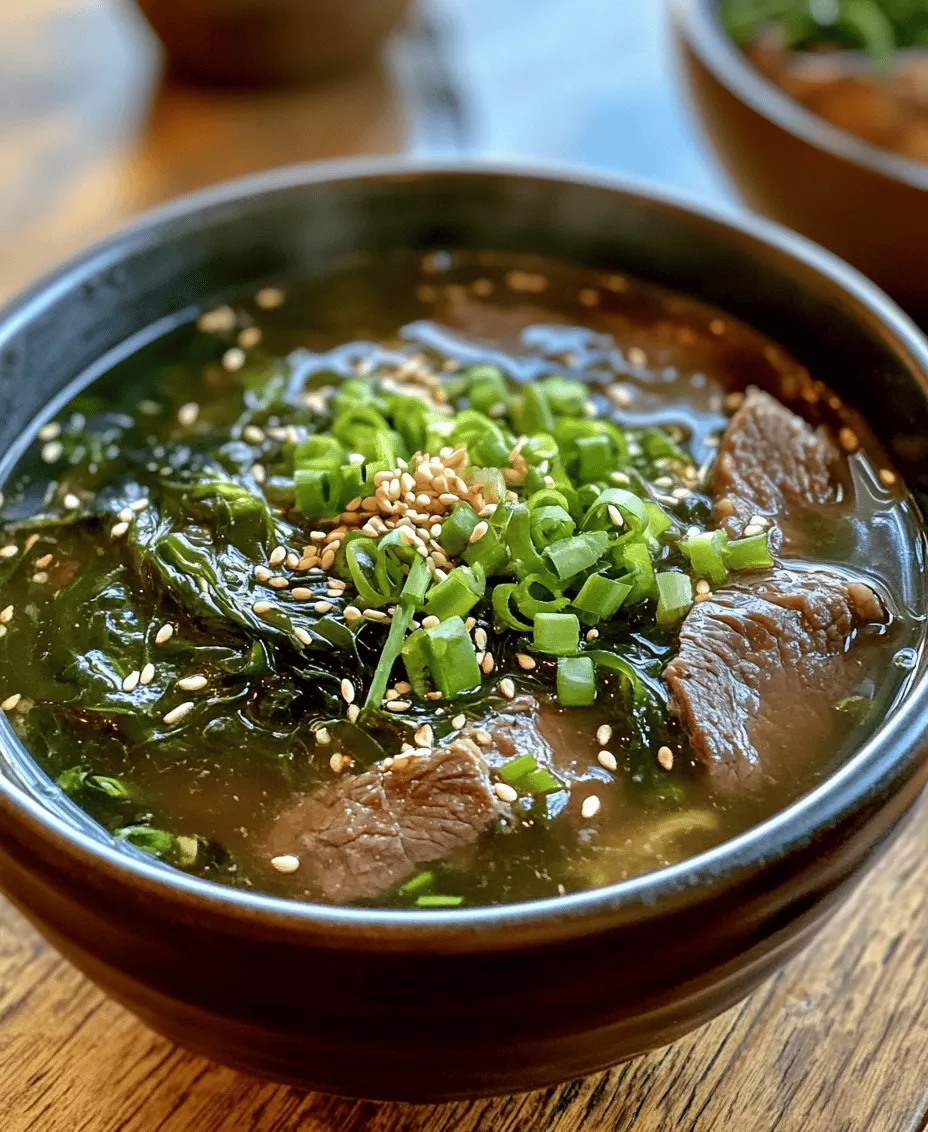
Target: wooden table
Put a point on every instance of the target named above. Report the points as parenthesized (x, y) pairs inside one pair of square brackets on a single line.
[(838, 1042)]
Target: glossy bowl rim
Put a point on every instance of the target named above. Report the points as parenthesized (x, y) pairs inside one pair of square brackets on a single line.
[(704, 34), (863, 776)]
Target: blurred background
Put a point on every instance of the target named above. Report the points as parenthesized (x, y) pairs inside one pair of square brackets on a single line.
[(95, 127)]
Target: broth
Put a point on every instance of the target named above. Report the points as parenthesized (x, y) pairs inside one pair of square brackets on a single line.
[(96, 678)]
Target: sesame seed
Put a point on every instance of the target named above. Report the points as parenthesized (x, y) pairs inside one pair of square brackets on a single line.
[(147, 674), (302, 594), (49, 431), (665, 758), (187, 414), (353, 712), (328, 559), (278, 583), (615, 515), (347, 690), (848, 439), (352, 614), (259, 475), (11, 701), (759, 521), (430, 622), (52, 452), (164, 634), (458, 722), (424, 737), (278, 554), (433, 695), (590, 807), (703, 587), (323, 738), (593, 635), (507, 687), (262, 607), (752, 529), (127, 514), (525, 661), (6, 614), (375, 615), (44, 561), (233, 359), (252, 434), (269, 298), (192, 683), (216, 321), (323, 607), (484, 738), (175, 715), (608, 760), (488, 664), (249, 337), (505, 792), (479, 531), (131, 682), (119, 530), (286, 863), (398, 705), (887, 478), (303, 636), (292, 560), (40, 577), (9, 551)]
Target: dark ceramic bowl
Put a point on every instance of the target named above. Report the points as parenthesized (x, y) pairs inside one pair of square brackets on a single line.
[(427, 1006), (865, 203)]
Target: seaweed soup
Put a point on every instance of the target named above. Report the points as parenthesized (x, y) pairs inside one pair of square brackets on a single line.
[(183, 645)]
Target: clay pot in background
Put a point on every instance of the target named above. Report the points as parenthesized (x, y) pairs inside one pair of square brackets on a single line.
[(269, 42)]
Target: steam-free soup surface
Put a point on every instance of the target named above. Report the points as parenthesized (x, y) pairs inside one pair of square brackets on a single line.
[(187, 649)]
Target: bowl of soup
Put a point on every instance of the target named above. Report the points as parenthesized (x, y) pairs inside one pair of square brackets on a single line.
[(461, 627), (816, 132)]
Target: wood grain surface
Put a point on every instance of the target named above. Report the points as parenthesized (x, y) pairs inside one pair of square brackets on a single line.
[(89, 135)]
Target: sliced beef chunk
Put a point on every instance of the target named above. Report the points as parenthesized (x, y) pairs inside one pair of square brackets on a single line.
[(371, 831), (773, 463), (761, 666)]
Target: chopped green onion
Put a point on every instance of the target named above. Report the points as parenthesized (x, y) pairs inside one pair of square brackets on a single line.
[(457, 594), (413, 592), (517, 768), (531, 412), (557, 633), (488, 553), (576, 681), (446, 652), (540, 781), (749, 553), (600, 598), (636, 558), (457, 529), (674, 597), (502, 610), (439, 901), (525, 775), (418, 883), (706, 554), (571, 556), (632, 511)]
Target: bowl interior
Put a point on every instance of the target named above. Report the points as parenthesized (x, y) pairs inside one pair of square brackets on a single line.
[(306, 223)]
